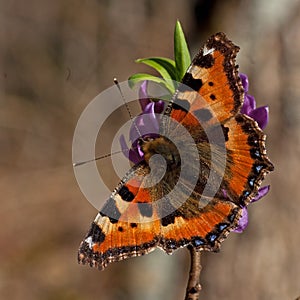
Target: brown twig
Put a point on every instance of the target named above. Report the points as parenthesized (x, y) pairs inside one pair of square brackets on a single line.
[(193, 287)]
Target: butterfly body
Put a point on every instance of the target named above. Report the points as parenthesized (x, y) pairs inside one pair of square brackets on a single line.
[(162, 146), (207, 162)]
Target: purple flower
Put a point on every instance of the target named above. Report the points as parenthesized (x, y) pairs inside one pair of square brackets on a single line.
[(144, 125), (261, 116), (243, 221)]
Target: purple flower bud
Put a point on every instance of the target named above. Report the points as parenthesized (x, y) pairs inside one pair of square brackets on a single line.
[(143, 95), (260, 114), (243, 221), (145, 124)]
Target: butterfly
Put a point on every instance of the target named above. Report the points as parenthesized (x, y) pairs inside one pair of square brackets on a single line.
[(213, 175)]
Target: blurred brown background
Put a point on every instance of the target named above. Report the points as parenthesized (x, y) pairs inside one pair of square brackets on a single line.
[(55, 57)]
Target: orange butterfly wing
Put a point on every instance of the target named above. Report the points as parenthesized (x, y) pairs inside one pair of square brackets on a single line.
[(126, 226), (133, 223), (209, 100)]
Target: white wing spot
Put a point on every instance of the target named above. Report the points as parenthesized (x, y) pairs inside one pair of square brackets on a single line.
[(207, 51), (89, 241), (98, 218)]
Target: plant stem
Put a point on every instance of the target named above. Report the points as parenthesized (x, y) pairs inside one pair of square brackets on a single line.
[(193, 287)]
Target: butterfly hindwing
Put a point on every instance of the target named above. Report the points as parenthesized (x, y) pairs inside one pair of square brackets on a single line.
[(124, 227), (204, 230)]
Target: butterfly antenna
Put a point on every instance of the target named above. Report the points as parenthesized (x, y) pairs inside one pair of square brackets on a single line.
[(127, 107), (97, 158)]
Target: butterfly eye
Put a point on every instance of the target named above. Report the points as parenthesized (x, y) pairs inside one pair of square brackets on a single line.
[(141, 141)]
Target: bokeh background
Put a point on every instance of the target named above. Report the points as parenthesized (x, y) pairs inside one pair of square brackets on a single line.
[(55, 57)]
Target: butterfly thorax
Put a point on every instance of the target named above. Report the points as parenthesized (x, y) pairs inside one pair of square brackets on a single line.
[(164, 147)]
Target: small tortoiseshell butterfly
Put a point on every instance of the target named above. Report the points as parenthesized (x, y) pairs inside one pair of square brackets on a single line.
[(130, 224)]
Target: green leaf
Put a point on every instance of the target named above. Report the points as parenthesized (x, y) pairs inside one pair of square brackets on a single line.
[(181, 51), (164, 66), (136, 78)]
